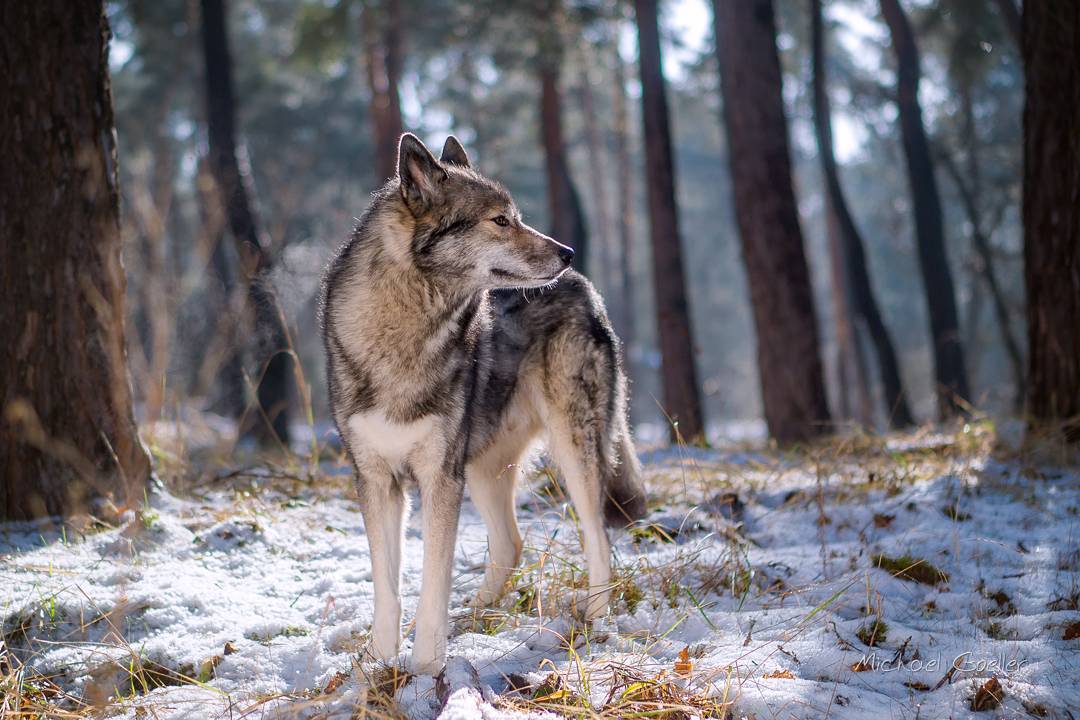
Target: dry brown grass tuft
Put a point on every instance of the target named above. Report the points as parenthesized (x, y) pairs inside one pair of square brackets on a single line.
[(27, 695), (631, 693), (906, 567)]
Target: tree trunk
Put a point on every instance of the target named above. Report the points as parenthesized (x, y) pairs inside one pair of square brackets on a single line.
[(789, 360), (972, 341), (949, 373), (853, 386), (67, 431), (382, 33), (678, 374), (221, 373), (625, 207), (857, 274), (985, 269), (566, 218), (148, 205), (269, 423), (473, 115), (604, 273), (843, 328), (1052, 212)]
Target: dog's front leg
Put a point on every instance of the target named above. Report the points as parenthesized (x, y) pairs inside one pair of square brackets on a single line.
[(440, 499), (383, 505)]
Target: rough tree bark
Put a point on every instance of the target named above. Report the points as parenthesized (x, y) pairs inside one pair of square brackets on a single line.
[(269, 422), (67, 432), (789, 360), (949, 372), (382, 33), (678, 374), (565, 215), (1052, 212), (857, 273)]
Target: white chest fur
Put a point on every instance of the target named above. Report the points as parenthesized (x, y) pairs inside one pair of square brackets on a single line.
[(372, 433)]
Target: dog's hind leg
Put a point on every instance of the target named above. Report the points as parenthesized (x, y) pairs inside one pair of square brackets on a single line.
[(384, 505), (582, 475), (493, 479), (584, 400)]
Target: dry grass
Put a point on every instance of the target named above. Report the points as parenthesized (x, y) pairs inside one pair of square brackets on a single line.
[(552, 584), (631, 693)]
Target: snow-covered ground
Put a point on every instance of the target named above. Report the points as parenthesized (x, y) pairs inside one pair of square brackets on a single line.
[(253, 598)]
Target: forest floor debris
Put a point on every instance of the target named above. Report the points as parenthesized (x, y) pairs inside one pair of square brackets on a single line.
[(829, 582)]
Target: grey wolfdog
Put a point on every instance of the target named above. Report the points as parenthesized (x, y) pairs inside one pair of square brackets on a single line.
[(445, 362)]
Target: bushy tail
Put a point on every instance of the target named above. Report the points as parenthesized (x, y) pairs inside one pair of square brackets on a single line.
[(624, 500)]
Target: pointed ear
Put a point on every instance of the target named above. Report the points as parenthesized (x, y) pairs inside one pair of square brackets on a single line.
[(419, 173), (453, 153)]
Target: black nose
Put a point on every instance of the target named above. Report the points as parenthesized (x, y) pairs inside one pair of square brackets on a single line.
[(566, 254)]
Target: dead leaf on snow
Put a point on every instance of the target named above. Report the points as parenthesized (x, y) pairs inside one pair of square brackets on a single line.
[(989, 696)]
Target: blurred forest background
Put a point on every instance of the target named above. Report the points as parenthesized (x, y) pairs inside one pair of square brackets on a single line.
[(323, 87)]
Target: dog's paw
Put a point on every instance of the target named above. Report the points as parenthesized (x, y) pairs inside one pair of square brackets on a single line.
[(429, 665), (384, 652), (484, 599)]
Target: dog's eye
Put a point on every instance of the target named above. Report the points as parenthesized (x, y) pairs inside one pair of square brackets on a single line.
[(501, 221)]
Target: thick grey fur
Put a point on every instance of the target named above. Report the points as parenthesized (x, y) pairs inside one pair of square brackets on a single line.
[(455, 337)]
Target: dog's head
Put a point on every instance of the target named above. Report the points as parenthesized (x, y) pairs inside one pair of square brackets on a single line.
[(467, 227)]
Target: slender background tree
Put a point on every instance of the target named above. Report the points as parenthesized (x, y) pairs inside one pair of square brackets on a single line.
[(681, 398), (949, 371), (789, 359), (624, 204), (383, 38), (566, 216), (856, 274), (269, 421)]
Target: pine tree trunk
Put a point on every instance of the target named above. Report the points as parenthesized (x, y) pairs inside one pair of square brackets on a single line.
[(221, 374), (394, 53), (1052, 212), (269, 422), (565, 215), (789, 360), (843, 328), (67, 432), (604, 273), (678, 374), (624, 212), (472, 116), (382, 39), (148, 208), (853, 385), (987, 275), (864, 303), (949, 372)]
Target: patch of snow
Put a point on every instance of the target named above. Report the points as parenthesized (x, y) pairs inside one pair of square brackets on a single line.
[(264, 599)]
